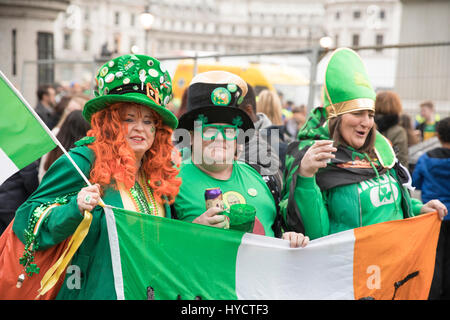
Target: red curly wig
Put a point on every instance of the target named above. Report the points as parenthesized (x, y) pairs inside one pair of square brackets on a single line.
[(115, 160)]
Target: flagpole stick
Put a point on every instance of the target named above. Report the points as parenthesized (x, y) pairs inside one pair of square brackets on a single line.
[(49, 132)]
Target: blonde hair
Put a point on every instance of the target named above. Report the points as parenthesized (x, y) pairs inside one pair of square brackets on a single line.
[(269, 103)]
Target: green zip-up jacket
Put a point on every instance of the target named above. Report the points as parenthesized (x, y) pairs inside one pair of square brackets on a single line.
[(322, 211), (93, 258), (340, 208)]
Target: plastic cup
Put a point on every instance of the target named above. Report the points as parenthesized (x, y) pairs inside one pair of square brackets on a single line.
[(242, 217)]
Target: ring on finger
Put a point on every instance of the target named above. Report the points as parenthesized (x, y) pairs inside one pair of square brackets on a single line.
[(87, 199)]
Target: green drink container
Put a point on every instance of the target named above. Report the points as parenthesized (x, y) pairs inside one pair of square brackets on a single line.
[(242, 217)]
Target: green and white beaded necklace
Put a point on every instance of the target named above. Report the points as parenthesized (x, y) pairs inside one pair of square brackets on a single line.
[(143, 199)]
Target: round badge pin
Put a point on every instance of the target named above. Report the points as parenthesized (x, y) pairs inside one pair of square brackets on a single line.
[(101, 83), (109, 78), (252, 192), (166, 100), (150, 63), (232, 87), (104, 71), (126, 81), (119, 74), (111, 64), (153, 73), (220, 96)]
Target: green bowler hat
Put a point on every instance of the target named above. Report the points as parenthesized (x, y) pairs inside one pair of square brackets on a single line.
[(133, 78), (347, 86)]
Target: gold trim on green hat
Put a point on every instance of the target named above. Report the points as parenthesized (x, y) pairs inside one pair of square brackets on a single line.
[(337, 109)]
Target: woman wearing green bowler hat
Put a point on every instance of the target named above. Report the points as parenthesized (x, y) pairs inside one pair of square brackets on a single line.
[(215, 122), (127, 156), (343, 174)]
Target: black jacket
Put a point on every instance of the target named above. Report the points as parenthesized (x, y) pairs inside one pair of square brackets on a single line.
[(15, 190), (50, 118)]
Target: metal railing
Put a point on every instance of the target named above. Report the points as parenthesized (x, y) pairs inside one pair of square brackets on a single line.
[(314, 57)]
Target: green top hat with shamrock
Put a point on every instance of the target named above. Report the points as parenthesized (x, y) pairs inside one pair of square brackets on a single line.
[(133, 78), (347, 87)]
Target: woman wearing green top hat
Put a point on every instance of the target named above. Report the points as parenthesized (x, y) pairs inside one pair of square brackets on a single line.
[(127, 156), (215, 122), (343, 174)]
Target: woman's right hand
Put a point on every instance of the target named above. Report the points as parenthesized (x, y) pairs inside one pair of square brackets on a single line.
[(88, 198), (317, 156), (211, 218)]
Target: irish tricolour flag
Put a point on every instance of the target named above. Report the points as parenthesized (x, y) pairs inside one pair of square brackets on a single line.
[(23, 136), (159, 258)]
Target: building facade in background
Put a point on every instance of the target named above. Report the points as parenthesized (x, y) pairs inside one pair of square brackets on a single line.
[(363, 22), (367, 23), (82, 34), (424, 73), (97, 30), (27, 34), (180, 26)]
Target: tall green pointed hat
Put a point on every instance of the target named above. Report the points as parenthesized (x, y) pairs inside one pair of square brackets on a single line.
[(347, 87), (133, 78)]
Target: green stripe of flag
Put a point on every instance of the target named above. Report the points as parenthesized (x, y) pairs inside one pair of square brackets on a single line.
[(173, 257), (22, 137)]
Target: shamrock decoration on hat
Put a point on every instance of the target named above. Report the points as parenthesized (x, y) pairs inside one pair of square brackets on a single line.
[(133, 78), (213, 97), (347, 86)]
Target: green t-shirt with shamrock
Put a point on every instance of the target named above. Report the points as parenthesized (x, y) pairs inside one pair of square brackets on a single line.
[(245, 186)]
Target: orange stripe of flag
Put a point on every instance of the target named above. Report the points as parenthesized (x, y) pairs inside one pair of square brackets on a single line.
[(389, 252)]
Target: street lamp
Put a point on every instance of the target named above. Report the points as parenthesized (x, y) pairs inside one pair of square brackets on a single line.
[(135, 49), (147, 22), (326, 42)]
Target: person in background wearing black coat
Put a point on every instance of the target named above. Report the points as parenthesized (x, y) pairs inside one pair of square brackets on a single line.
[(45, 107), (15, 190)]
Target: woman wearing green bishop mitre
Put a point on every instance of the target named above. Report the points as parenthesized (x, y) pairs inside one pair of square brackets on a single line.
[(127, 157), (343, 174)]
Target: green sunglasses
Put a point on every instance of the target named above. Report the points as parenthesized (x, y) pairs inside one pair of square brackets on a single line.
[(210, 131)]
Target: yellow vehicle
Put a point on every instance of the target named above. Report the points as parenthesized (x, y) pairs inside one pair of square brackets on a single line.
[(284, 80)]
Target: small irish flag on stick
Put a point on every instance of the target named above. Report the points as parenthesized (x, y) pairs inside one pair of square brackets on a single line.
[(23, 136)]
